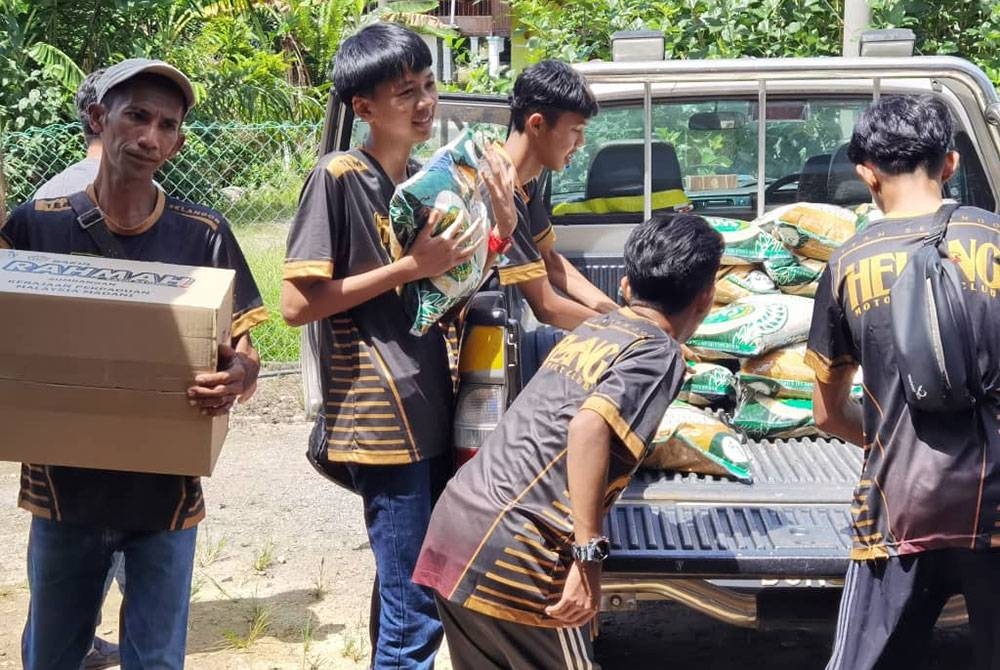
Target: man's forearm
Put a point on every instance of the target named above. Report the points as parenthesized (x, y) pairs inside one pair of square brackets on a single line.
[(589, 451), (304, 301), (564, 276)]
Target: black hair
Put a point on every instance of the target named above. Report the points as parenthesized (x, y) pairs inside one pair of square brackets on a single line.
[(551, 88), (375, 54), (86, 95), (113, 94), (899, 134), (670, 260)]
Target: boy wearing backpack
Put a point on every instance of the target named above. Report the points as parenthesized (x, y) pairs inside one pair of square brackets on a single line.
[(927, 508)]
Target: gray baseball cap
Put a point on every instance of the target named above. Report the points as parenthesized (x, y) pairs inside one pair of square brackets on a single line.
[(125, 70)]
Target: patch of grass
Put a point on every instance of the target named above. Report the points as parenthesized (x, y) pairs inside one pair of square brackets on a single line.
[(319, 581), (197, 583), (264, 248), (310, 661), (259, 623), (355, 645), (263, 558), (211, 550)]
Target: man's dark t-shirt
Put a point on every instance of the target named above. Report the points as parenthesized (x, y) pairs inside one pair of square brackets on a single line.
[(176, 232), (388, 394), (929, 481), (500, 535)]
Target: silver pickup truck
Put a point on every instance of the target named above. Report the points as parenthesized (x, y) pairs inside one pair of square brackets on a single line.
[(731, 138)]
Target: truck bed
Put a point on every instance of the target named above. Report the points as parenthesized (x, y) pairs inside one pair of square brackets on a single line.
[(793, 521)]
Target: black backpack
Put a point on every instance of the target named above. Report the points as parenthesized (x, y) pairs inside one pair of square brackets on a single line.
[(932, 334)]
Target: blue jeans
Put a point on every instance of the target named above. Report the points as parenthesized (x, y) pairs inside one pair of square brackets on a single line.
[(398, 501), (67, 569)]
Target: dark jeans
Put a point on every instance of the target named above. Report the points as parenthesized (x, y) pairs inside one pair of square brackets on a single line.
[(67, 569), (398, 500)]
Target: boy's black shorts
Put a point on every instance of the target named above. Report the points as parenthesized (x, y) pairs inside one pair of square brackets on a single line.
[(480, 642), (889, 608)]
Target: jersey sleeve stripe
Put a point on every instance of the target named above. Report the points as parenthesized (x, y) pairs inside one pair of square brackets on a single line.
[(301, 269), (546, 238), (828, 371), (247, 320), (610, 413), (522, 273)]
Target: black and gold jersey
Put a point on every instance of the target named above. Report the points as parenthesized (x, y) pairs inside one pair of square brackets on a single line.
[(388, 394), (499, 538), (176, 232), (929, 481), (533, 233)]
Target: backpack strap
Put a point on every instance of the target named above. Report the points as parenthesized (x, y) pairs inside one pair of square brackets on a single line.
[(940, 226), (91, 219)]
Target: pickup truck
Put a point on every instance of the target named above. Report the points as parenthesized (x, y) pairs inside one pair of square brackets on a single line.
[(732, 138)]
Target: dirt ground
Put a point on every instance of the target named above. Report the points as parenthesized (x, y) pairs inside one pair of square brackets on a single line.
[(283, 573)]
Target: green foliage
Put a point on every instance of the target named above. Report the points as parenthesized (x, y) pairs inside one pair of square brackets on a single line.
[(970, 29)]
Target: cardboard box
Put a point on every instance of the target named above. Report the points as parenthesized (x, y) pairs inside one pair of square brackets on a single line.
[(96, 356)]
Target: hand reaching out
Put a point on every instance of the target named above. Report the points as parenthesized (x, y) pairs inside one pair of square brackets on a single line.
[(500, 177)]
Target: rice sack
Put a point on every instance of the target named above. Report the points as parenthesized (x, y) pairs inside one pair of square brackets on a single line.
[(783, 373), (746, 243), (760, 417), (800, 276), (753, 326), (811, 229), (690, 440), (450, 183), (867, 213), (708, 384), (739, 281)]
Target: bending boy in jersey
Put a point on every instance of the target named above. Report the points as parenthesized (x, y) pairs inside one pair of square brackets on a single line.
[(388, 393), (550, 108), (514, 549)]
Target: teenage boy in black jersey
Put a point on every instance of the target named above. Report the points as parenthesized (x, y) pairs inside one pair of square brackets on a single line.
[(927, 507), (514, 547), (80, 516), (550, 107), (388, 394)]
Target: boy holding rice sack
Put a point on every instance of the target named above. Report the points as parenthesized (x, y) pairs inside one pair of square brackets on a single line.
[(550, 108), (514, 548), (388, 392)]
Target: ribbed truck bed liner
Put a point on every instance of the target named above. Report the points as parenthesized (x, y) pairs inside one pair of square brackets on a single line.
[(793, 521)]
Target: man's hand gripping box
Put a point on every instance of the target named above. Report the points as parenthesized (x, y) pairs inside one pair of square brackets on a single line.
[(96, 356)]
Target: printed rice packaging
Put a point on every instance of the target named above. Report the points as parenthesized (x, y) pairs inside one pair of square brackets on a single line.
[(449, 182), (690, 440), (760, 417), (781, 373), (799, 276), (810, 229), (867, 213), (746, 243), (708, 384), (753, 326), (739, 281)]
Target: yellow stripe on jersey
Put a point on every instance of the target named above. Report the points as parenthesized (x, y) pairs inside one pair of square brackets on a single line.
[(521, 273), (52, 205), (609, 411), (303, 269), (248, 320), (370, 456), (344, 163), (546, 238)]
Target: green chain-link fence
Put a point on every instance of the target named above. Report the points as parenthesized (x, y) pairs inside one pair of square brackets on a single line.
[(252, 174)]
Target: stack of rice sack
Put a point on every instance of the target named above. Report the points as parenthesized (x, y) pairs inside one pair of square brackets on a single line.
[(763, 324)]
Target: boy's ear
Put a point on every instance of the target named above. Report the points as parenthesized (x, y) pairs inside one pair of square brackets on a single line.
[(362, 107), (867, 174), (951, 162), (535, 122), (625, 290)]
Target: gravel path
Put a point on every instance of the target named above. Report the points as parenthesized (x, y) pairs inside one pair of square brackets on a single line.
[(283, 574)]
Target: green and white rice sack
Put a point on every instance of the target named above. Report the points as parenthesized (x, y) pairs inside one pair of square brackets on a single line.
[(733, 282), (450, 183), (783, 373), (746, 243), (707, 384), (810, 229), (799, 276), (691, 440), (760, 417), (753, 326)]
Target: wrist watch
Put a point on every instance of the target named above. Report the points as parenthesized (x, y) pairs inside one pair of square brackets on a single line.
[(595, 551)]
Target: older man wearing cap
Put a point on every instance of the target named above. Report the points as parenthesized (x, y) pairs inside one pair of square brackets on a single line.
[(82, 516)]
